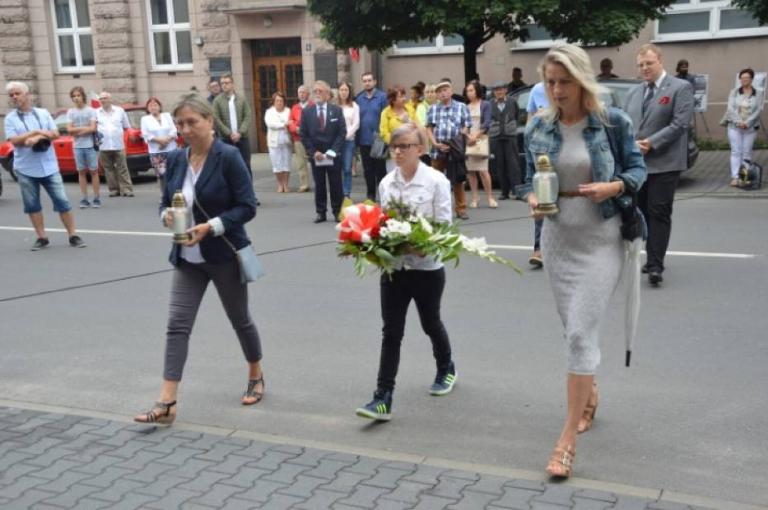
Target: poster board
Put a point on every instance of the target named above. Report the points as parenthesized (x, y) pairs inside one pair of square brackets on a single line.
[(700, 92)]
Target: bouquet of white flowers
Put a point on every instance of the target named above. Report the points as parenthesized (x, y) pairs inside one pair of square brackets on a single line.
[(377, 238)]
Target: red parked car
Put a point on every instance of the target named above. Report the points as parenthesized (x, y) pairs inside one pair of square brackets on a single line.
[(136, 150)]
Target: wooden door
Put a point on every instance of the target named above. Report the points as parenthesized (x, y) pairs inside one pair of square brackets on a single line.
[(270, 75)]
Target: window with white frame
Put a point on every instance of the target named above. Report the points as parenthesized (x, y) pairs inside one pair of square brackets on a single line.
[(450, 43), (688, 20), (538, 38), (72, 35), (170, 39)]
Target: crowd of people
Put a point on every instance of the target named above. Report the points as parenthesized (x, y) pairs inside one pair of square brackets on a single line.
[(419, 146)]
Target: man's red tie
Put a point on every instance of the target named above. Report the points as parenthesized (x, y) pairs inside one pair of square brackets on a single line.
[(322, 119)]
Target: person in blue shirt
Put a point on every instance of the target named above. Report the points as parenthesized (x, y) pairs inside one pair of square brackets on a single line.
[(371, 102), (537, 101), (31, 131)]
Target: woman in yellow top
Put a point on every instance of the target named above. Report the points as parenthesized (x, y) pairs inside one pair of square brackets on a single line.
[(396, 114)]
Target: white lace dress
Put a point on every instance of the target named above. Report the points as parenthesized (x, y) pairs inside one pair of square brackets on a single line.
[(583, 255)]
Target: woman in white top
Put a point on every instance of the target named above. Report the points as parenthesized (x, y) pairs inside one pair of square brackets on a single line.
[(159, 131), (742, 118), (279, 141), (352, 120)]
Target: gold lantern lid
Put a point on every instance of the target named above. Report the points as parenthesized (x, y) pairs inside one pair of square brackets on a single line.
[(178, 199)]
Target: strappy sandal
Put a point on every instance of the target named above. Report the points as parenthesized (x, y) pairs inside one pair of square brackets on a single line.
[(251, 393), (159, 414), (561, 461), (585, 423)]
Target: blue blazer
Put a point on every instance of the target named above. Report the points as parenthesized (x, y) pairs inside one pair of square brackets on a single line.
[(332, 137), (224, 189)]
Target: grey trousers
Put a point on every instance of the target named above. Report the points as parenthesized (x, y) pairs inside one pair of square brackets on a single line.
[(187, 290)]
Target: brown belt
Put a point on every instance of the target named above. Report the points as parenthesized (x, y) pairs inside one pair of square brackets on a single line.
[(570, 194)]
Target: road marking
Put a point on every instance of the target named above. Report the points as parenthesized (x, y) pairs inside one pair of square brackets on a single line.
[(107, 232), (705, 254), (518, 247)]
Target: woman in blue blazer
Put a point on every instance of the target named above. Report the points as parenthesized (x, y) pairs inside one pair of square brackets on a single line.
[(218, 191)]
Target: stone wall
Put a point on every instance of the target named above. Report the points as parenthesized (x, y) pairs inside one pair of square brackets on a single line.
[(16, 52), (215, 28), (115, 63)]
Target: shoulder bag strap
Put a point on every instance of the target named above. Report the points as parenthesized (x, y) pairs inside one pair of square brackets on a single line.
[(207, 216)]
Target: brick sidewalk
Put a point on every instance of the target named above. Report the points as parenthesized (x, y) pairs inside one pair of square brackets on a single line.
[(55, 461)]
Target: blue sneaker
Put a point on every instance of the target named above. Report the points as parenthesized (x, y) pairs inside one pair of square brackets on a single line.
[(379, 409), (84, 204), (444, 381), (96, 203)]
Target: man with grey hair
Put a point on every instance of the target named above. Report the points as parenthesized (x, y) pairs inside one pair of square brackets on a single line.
[(31, 131), (323, 131), (294, 124), (111, 121)]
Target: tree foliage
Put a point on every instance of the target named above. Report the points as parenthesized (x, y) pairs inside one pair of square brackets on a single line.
[(758, 8), (378, 24)]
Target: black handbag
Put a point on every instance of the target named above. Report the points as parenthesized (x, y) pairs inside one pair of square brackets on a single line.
[(379, 149), (632, 220)]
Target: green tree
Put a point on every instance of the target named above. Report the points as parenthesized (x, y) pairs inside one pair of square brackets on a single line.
[(378, 24), (758, 8)]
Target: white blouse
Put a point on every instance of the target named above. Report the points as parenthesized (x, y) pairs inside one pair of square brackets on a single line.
[(352, 119), (277, 124), (152, 128)]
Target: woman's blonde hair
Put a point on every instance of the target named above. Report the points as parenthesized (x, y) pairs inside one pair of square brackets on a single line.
[(430, 87), (577, 63), (407, 129), (194, 102)]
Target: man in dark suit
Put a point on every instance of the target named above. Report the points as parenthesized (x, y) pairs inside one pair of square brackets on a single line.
[(503, 136), (661, 110), (323, 132)]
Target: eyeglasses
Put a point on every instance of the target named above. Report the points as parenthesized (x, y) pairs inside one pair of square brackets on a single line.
[(402, 146)]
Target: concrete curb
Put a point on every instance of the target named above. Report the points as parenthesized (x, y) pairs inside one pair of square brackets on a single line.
[(507, 472)]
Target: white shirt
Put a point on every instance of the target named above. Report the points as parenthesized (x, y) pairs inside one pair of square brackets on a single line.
[(191, 254), (152, 128), (351, 119), (656, 84), (277, 123), (110, 125), (232, 114), (429, 194)]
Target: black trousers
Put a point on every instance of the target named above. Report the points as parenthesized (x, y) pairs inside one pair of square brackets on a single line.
[(332, 174), (507, 165), (374, 171), (244, 146), (656, 198), (426, 289)]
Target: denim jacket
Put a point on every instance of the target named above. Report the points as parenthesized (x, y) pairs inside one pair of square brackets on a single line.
[(543, 137)]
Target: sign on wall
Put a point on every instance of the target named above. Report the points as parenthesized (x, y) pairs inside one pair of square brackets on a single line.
[(219, 65), (700, 92)]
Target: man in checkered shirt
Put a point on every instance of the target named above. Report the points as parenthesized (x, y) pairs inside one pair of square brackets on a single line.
[(446, 119)]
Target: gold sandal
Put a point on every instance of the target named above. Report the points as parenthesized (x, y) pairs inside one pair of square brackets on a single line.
[(561, 461), (585, 423), (159, 414)]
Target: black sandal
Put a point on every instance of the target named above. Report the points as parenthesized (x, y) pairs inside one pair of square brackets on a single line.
[(250, 393), (160, 414)]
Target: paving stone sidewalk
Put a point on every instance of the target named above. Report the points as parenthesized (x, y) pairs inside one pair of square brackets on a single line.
[(55, 461)]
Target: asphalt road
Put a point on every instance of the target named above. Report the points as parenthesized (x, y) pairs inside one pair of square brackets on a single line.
[(85, 329)]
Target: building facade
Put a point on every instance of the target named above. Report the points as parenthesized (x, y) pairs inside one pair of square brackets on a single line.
[(141, 48)]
